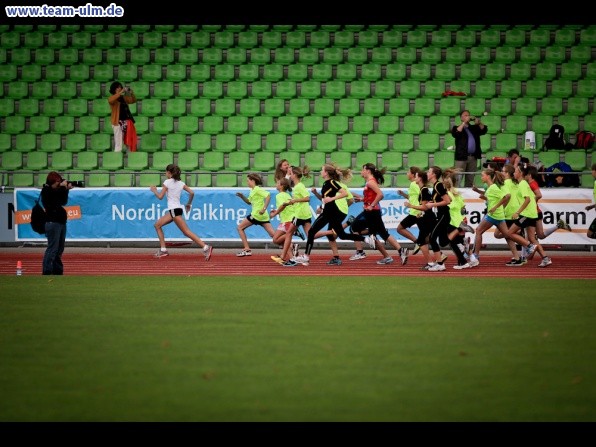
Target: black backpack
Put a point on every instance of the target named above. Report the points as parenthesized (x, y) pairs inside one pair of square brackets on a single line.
[(555, 139), (38, 217)]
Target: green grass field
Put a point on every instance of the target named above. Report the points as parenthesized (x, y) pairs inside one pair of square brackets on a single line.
[(280, 349)]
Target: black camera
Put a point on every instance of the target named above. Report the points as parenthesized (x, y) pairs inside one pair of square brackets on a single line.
[(76, 183)]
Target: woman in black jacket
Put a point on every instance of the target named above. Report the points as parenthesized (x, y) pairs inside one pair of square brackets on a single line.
[(54, 196)]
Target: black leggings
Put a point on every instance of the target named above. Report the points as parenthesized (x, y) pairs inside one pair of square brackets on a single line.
[(335, 219)]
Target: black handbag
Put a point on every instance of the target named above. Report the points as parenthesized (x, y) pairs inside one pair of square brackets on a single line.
[(38, 217)]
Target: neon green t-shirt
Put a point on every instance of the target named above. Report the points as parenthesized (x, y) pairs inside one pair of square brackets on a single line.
[(288, 212), (257, 198), (510, 187), (301, 209), (342, 204), (455, 206), (524, 191), (413, 196), (494, 194)]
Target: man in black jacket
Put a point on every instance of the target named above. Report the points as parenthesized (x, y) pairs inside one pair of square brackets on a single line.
[(467, 145)]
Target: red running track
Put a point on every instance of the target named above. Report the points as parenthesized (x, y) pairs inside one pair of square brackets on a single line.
[(572, 266)]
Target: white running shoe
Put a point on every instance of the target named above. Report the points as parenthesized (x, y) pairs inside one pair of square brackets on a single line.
[(546, 261), (437, 268), (403, 254), (371, 241), (384, 261), (463, 266), (162, 254), (244, 253), (207, 251), (304, 259), (357, 256)]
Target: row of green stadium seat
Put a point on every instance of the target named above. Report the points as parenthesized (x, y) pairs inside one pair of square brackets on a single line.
[(334, 89), (254, 143), (244, 161), (417, 38), (438, 111), (286, 56), (287, 124), (299, 72)]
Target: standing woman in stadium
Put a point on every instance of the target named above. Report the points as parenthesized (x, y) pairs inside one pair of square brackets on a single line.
[(54, 195), (172, 189)]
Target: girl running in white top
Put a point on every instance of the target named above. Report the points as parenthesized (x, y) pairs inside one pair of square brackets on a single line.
[(172, 189)]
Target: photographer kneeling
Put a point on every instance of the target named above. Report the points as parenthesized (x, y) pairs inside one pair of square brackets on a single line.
[(54, 195)]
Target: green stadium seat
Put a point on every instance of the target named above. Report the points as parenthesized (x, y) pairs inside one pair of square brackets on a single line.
[(14, 125), (581, 54), (137, 161), (295, 39), (571, 70), (413, 124), (445, 71), (516, 124), (377, 143), (250, 142), (259, 56), (285, 89), (124, 179), (535, 88), (188, 56), (301, 142), (225, 107), (147, 179), (60, 161), (68, 56), (515, 37), (552, 106), (310, 90), (98, 179), (395, 72), (335, 89), (223, 72), (505, 142), (449, 142), (275, 143), (141, 125), (510, 88), (325, 142), (176, 107), (116, 56), (188, 89), (287, 124), (577, 105), (20, 89), (505, 55), (151, 72), (555, 54), (391, 38), (398, 107), (7, 106), (333, 55), (444, 159), (12, 160), (349, 106), (324, 107), (82, 39), (526, 106), (150, 142), (403, 142), (362, 124), (55, 73), (342, 159), (188, 161), (381, 55), (44, 56), (160, 160), (319, 39), (570, 123), (99, 142), (28, 107), (586, 88), (576, 159), (199, 73), (428, 142), (175, 143), (539, 37), (388, 124), (530, 55), (29, 73), (480, 55), (392, 161), (213, 124), (493, 122), (345, 72), (364, 157), (337, 124), (292, 157), (25, 142), (22, 179), (237, 125), (250, 107), (351, 143), (78, 107), (386, 89), (75, 142), (358, 55), (88, 124), (549, 158), (494, 71), (262, 124), (450, 106), (226, 180), (91, 90), (477, 106), (299, 107), (315, 160), (87, 161), (247, 39), (419, 159), (490, 37), (374, 106), (562, 88), (200, 143), (297, 72), (150, 107), (409, 88), (264, 161), (470, 71), (8, 73), (312, 124), (322, 72), (424, 106), (50, 142), (261, 89), (439, 124), (66, 89), (545, 71), (485, 88), (287, 55), (500, 106), (541, 124)]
